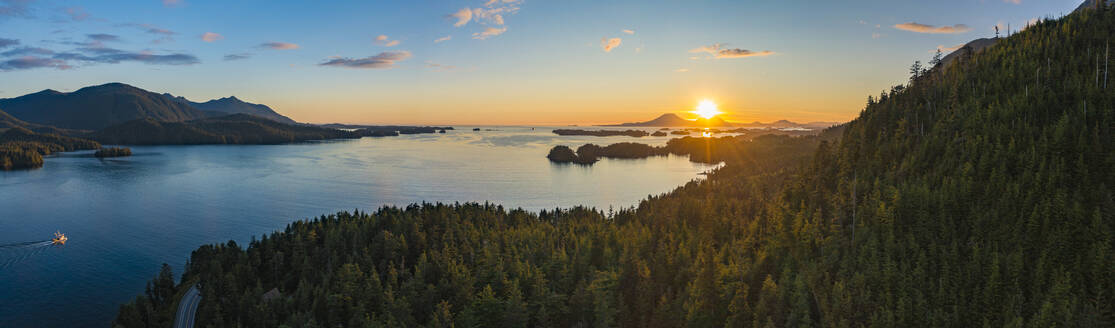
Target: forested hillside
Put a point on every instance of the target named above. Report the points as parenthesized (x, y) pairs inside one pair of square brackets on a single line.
[(975, 195), (21, 148), (231, 129)]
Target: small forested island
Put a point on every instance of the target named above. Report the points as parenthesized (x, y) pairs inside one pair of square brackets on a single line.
[(601, 133), (394, 131), (21, 148), (113, 152), (701, 150), (659, 134)]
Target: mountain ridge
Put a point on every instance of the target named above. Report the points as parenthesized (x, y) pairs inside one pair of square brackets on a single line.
[(233, 105)]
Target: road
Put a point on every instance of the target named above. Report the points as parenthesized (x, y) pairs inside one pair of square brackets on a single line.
[(187, 308)]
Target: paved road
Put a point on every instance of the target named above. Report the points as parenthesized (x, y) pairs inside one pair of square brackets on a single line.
[(187, 308)]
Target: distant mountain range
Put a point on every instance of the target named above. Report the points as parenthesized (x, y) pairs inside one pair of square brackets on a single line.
[(97, 107), (232, 105), (673, 120)]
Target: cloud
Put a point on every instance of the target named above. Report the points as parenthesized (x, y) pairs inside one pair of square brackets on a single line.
[(30, 62), (877, 35), (173, 3), (115, 56), (922, 28), (491, 15), (4, 43), (629, 31), (462, 16), (162, 33), (279, 46), (609, 44), (439, 67), (77, 13), (231, 57), (14, 8), (381, 61), (444, 38), (101, 37), (383, 40), (26, 51), (489, 32), (152, 29), (1017, 2), (717, 51), (210, 37), (682, 70)]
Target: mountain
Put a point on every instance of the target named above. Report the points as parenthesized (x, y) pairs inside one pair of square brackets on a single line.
[(969, 48), (232, 105), (672, 120), (231, 129), (97, 107), (1092, 4), (978, 194)]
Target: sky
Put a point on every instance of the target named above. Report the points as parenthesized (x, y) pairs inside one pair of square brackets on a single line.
[(498, 62)]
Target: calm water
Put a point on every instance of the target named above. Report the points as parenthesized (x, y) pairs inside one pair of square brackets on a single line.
[(126, 216)]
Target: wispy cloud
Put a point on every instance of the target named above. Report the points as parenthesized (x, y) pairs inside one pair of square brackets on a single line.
[(173, 3), (103, 37), (4, 43), (489, 32), (27, 51), (383, 60), (682, 70), (14, 8), (211, 37), (278, 46), (444, 38), (231, 57), (115, 56), (718, 51), (629, 31), (923, 28), (162, 33), (30, 62), (462, 16), (77, 13), (490, 15), (440, 67), (1017, 2), (609, 44), (385, 41)]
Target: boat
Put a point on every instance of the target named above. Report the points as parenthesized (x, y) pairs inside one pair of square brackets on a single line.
[(59, 238)]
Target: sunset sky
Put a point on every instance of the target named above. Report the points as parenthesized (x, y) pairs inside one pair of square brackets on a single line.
[(497, 61)]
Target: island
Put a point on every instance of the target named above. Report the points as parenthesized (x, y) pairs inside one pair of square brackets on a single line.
[(21, 148), (601, 133), (113, 152)]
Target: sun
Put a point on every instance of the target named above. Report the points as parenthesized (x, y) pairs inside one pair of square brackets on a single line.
[(706, 109)]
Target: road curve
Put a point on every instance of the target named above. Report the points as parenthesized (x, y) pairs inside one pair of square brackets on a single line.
[(187, 308)]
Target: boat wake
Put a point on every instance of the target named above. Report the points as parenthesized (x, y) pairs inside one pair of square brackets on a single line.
[(14, 253)]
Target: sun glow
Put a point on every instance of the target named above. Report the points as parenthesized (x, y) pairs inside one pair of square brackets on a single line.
[(706, 109)]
